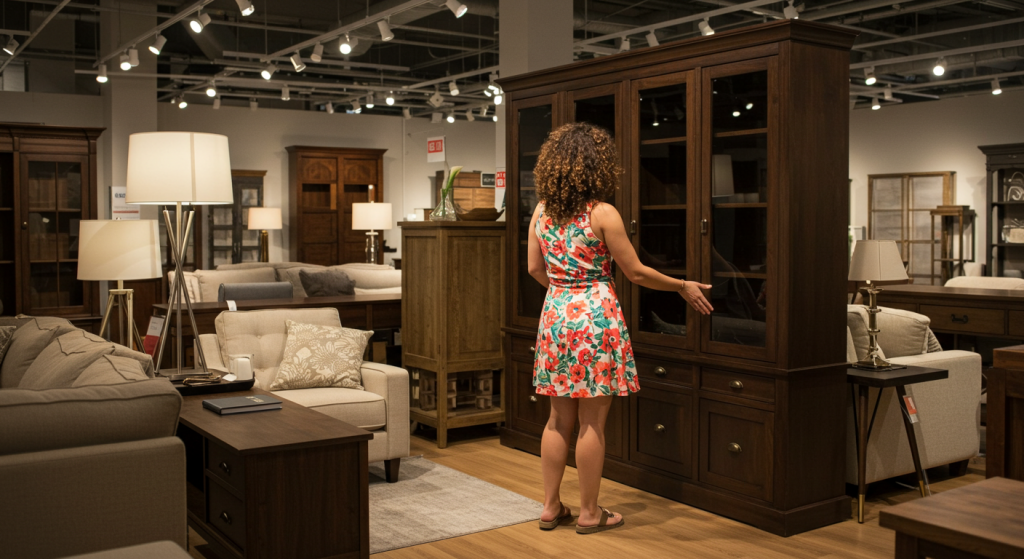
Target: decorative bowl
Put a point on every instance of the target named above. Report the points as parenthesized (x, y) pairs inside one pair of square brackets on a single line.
[(478, 214)]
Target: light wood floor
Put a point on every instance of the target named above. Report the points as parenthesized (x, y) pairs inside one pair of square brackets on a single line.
[(655, 527)]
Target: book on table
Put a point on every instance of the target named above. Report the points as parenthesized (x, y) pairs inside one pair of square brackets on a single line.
[(242, 404)]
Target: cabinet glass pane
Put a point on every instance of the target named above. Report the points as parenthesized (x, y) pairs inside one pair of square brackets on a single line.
[(69, 186), (534, 126), (663, 239), (662, 312), (222, 215), (221, 257), (925, 192), (42, 236), (249, 197), (662, 174), (740, 169), (250, 255), (921, 226), (740, 102), (222, 238), (42, 185), (887, 225), (663, 113), (71, 291), (887, 194), (43, 284), (250, 238), (599, 111), (921, 259), (67, 235)]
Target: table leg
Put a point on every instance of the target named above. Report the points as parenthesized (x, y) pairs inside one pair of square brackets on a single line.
[(922, 478), (862, 448)]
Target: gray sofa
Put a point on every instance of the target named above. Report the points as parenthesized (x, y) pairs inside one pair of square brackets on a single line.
[(88, 456)]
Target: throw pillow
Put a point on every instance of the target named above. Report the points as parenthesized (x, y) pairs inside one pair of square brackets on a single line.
[(327, 283), (321, 357), (6, 335)]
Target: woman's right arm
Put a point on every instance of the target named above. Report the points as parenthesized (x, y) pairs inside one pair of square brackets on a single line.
[(535, 258)]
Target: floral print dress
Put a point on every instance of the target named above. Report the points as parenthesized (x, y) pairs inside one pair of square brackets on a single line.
[(583, 348)]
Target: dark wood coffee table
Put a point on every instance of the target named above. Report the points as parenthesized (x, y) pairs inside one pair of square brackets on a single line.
[(284, 483)]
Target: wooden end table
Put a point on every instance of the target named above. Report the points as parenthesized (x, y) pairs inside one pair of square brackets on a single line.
[(864, 379), (284, 483), (1004, 424), (984, 519)]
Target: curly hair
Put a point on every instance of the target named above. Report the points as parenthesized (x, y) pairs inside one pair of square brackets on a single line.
[(578, 164)]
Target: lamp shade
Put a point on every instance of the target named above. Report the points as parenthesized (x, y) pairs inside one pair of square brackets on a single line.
[(264, 218), (118, 250), (371, 216), (170, 167), (876, 261)]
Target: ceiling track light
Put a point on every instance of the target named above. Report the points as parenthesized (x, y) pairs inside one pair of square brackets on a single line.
[(624, 44), (652, 39), (11, 46), (499, 97), (101, 74), (385, 30), (705, 28), (887, 93), (469, 115), (182, 103), (406, 113), (286, 94), (158, 44), (457, 8), (488, 93), (133, 57), (347, 44), (450, 118), (246, 7), (318, 53), (356, 107), (253, 104), (216, 103), (453, 87), (211, 90), (940, 66), (869, 76), (483, 111), (199, 22), (125, 63), (996, 89), (790, 11), (369, 101), (494, 118), (297, 62), (268, 71), (329, 108), (875, 105), (390, 99)]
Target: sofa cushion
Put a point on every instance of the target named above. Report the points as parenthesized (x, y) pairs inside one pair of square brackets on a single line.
[(318, 356), (326, 283), (61, 362), (363, 409), (291, 275), (851, 350), (191, 285), (6, 336), (38, 420), (985, 282), (111, 369), (902, 332), (381, 291), (210, 280), (372, 276), (26, 344)]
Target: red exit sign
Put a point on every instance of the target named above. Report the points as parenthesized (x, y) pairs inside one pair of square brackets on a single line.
[(435, 146)]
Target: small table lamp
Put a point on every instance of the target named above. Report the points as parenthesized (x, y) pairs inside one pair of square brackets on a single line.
[(875, 261), (119, 250), (264, 219), (371, 217)]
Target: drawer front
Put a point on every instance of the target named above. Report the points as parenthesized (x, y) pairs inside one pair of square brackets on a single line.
[(664, 371), (966, 319), (738, 384), (1017, 323), (736, 448), (523, 348), (226, 513), (663, 426), (531, 410), (226, 465)]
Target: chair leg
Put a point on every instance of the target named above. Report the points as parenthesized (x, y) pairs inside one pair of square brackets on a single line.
[(391, 469), (957, 469)]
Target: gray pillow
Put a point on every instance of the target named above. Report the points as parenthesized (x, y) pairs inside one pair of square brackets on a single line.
[(327, 283)]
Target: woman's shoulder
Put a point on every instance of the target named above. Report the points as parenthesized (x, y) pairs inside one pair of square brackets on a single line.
[(603, 209)]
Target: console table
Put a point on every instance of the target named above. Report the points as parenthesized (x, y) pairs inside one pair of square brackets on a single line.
[(993, 313)]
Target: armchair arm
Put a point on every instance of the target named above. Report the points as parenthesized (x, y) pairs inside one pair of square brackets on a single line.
[(393, 384), (211, 350)]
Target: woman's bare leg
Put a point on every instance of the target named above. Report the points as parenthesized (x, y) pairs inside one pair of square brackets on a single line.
[(554, 451), (593, 413)]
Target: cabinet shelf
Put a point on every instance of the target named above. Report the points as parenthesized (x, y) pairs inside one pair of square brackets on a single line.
[(1009, 203), (6, 209), (54, 261), (734, 133), (671, 271), (741, 205), (663, 141), (749, 275), (663, 207), (530, 153), (6, 262)]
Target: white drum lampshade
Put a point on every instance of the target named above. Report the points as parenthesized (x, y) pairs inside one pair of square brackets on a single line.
[(171, 167), (264, 218), (371, 216), (118, 250), (876, 261)]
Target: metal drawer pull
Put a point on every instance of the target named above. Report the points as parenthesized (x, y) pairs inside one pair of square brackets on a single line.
[(736, 384), (224, 466), (958, 320), (659, 428), (533, 349), (533, 399), (225, 517), (733, 447), (660, 371)]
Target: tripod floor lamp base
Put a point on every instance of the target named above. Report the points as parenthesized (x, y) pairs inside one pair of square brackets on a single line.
[(123, 299)]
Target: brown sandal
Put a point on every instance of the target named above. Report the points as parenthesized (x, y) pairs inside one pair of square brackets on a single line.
[(565, 513), (602, 525)]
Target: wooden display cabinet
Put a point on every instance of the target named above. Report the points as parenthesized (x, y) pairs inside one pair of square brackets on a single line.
[(230, 240), (734, 151), (1004, 197)]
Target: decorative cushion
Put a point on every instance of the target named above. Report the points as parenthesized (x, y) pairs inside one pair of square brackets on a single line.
[(6, 336), (326, 283), (933, 342), (851, 350), (111, 369), (381, 291), (291, 275), (61, 362), (985, 282), (26, 344), (321, 357), (372, 276), (210, 280), (902, 333), (361, 408)]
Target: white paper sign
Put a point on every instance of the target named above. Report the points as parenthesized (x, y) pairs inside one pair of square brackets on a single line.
[(435, 150), (118, 208)]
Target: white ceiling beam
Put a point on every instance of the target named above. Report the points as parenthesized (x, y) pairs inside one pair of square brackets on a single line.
[(445, 79), (867, 46), (972, 79), (882, 62), (17, 32), (34, 34), (324, 61), (177, 17)]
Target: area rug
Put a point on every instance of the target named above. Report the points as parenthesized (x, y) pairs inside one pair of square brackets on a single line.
[(431, 502)]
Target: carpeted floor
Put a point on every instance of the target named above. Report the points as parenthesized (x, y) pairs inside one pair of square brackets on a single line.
[(431, 502)]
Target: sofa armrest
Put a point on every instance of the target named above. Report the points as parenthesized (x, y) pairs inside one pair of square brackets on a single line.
[(211, 350), (393, 384), (79, 500)]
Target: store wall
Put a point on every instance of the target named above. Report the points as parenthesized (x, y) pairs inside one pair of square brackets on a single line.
[(933, 136)]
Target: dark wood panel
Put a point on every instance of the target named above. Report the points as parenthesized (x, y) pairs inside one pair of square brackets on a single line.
[(1016, 323), (736, 448), (1005, 415), (530, 411), (966, 319), (663, 428), (738, 384), (360, 171), (318, 169), (665, 371)]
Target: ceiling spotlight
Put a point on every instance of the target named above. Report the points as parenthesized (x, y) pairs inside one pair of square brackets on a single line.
[(158, 44), (494, 118), (390, 99), (199, 22), (101, 75), (268, 71), (435, 118), (385, 30), (996, 90), (182, 103), (940, 66), (297, 62), (318, 53), (216, 103), (887, 93), (356, 107), (133, 57), (790, 11), (253, 104), (875, 105), (286, 94), (457, 8), (246, 7), (487, 92), (655, 123), (705, 28), (211, 90), (125, 63), (11, 46), (451, 118), (750, 106), (347, 44), (491, 78), (469, 115), (483, 111), (624, 44), (406, 113), (330, 108), (369, 101), (869, 76), (453, 87), (736, 113), (652, 39), (499, 97)]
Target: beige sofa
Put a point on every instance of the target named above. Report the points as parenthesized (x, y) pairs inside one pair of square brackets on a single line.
[(382, 408), (948, 409), (203, 285), (89, 459), (986, 282)]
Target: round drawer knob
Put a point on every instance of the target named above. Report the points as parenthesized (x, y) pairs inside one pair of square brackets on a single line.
[(733, 447), (224, 466), (659, 428), (660, 371), (533, 399), (736, 384), (533, 349), (225, 517)]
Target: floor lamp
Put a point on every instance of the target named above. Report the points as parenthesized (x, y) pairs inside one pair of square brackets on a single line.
[(263, 220), (875, 261), (178, 168), (371, 217), (119, 250)]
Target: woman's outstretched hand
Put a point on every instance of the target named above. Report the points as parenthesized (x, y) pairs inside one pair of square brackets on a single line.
[(691, 293)]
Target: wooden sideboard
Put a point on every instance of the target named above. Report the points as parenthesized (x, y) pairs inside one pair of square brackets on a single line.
[(1005, 422), (993, 313)]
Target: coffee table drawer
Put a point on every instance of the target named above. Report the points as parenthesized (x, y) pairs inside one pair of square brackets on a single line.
[(226, 465), (227, 513), (966, 319)]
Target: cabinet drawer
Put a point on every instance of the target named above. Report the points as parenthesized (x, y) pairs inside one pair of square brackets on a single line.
[(736, 448), (226, 465), (738, 384), (663, 428), (664, 371), (524, 348), (226, 513), (530, 410), (966, 319), (1017, 323)]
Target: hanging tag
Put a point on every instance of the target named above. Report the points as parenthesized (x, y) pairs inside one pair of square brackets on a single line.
[(911, 409), (232, 306)]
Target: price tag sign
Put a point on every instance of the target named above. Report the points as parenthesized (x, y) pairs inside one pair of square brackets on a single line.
[(499, 180), (911, 408), (435, 150)]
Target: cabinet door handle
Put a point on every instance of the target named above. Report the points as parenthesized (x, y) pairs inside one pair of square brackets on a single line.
[(24, 225), (703, 227), (736, 384), (533, 349), (733, 447), (225, 517), (632, 227), (959, 320), (533, 399), (660, 371), (659, 428), (226, 467)]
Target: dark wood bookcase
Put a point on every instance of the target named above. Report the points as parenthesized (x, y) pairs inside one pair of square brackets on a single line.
[(1004, 170), (735, 156)]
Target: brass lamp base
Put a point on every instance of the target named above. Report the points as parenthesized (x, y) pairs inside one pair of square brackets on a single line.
[(123, 299), (873, 362), (264, 246)]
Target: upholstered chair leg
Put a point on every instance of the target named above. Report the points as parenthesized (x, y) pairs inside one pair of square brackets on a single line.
[(391, 469)]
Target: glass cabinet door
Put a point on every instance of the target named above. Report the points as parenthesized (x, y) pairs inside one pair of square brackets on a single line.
[(231, 241), (662, 176), (8, 229), (739, 183)]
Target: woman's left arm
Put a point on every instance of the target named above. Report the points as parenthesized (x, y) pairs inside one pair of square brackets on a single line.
[(535, 258)]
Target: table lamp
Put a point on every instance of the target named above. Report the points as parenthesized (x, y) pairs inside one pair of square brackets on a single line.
[(875, 261), (178, 168), (371, 217), (264, 219), (119, 250)]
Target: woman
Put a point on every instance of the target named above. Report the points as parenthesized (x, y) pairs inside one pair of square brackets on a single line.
[(583, 350)]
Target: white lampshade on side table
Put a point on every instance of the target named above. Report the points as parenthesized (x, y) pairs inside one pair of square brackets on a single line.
[(263, 220), (179, 168), (371, 216), (875, 261), (119, 250)]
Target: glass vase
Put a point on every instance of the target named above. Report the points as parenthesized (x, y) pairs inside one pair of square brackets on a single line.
[(445, 210)]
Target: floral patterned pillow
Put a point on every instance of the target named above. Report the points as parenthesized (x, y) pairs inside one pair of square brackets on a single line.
[(321, 357)]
